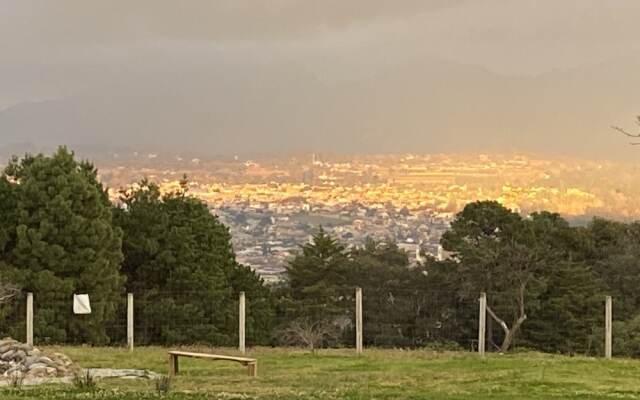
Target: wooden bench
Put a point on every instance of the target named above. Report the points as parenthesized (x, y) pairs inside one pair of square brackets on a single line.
[(250, 363)]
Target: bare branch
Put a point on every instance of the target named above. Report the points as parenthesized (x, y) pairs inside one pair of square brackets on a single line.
[(627, 133), (624, 132), (498, 320), (7, 292), (308, 333)]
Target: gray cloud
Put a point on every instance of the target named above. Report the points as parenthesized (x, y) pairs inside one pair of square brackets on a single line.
[(371, 75)]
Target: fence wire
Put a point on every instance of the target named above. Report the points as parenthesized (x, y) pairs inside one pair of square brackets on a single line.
[(404, 318)]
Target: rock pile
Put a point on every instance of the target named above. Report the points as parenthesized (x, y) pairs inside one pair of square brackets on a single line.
[(19, 360)]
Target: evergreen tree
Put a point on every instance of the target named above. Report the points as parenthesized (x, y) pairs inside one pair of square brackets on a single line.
[(7, 237), (566, 312), (318, 294), (7, 221), (614, 254), (499, 253), (260, 308), (64, 243), (395, 296), (181, 268), (317, 274)]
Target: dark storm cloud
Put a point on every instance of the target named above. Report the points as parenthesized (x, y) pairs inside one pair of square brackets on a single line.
[(349, 75), (78, 21)]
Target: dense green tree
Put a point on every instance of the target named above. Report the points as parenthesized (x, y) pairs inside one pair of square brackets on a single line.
[(7, 226), (317, 292), (398, 298), (63, 243), (7, 217), (627, 338), (567, 310), (8, 290), (533, 269), (260, 307), (182, 270), (502, 254), (317, 273), (614, 254)]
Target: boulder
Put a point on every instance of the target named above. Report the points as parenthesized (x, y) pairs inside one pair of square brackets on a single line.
[(46, 360), (37, 365), (30, 360), (19, 356), (37, 372), (7, 341), (22, 346), (8, 355), (33, 352)]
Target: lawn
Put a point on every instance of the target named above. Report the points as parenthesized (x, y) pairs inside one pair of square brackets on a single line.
[(340, 374)]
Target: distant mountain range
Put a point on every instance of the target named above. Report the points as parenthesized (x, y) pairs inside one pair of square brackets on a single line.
[(418, 106)]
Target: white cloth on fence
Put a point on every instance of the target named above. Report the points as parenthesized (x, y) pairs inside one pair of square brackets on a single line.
[(81, 304)]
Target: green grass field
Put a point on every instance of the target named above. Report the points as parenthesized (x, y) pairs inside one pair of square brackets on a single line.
[(340, 374)]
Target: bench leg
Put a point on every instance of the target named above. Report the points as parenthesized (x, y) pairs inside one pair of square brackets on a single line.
[(252, 369), (173, 365)]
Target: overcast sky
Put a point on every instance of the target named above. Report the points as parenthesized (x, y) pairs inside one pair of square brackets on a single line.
[(241, 76)]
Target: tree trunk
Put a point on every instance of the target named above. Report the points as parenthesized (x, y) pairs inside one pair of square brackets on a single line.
[(490, 340), (510, 332)]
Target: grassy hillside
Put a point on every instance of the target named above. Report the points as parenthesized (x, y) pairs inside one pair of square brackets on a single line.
[(339, 374)]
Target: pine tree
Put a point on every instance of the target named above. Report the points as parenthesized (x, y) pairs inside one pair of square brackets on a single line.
[(614, 255), (317, 274), (182, 270), (568, 310), (7, 220), (64, 244)]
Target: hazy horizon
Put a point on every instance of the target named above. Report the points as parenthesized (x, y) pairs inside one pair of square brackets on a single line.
[(224, 78)]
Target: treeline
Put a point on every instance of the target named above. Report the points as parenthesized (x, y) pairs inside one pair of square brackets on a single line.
[(545, 280), (60, 235)]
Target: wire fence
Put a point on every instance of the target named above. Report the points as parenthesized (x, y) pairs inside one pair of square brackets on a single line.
[(13, 318), (399, 318)]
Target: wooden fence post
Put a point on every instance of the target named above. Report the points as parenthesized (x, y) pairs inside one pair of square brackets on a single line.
[(241, 324), (359, 320), (608, 328), (30, 319), (482, 324), (130, 321)]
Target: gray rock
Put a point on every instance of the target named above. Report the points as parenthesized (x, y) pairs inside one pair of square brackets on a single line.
[(122, 373), (6, 342), (23, 346), (30, 360), (37, 365), (38, 372), (13, 370), (7, 355), (19, 356), (46, 360), (34, 366)]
